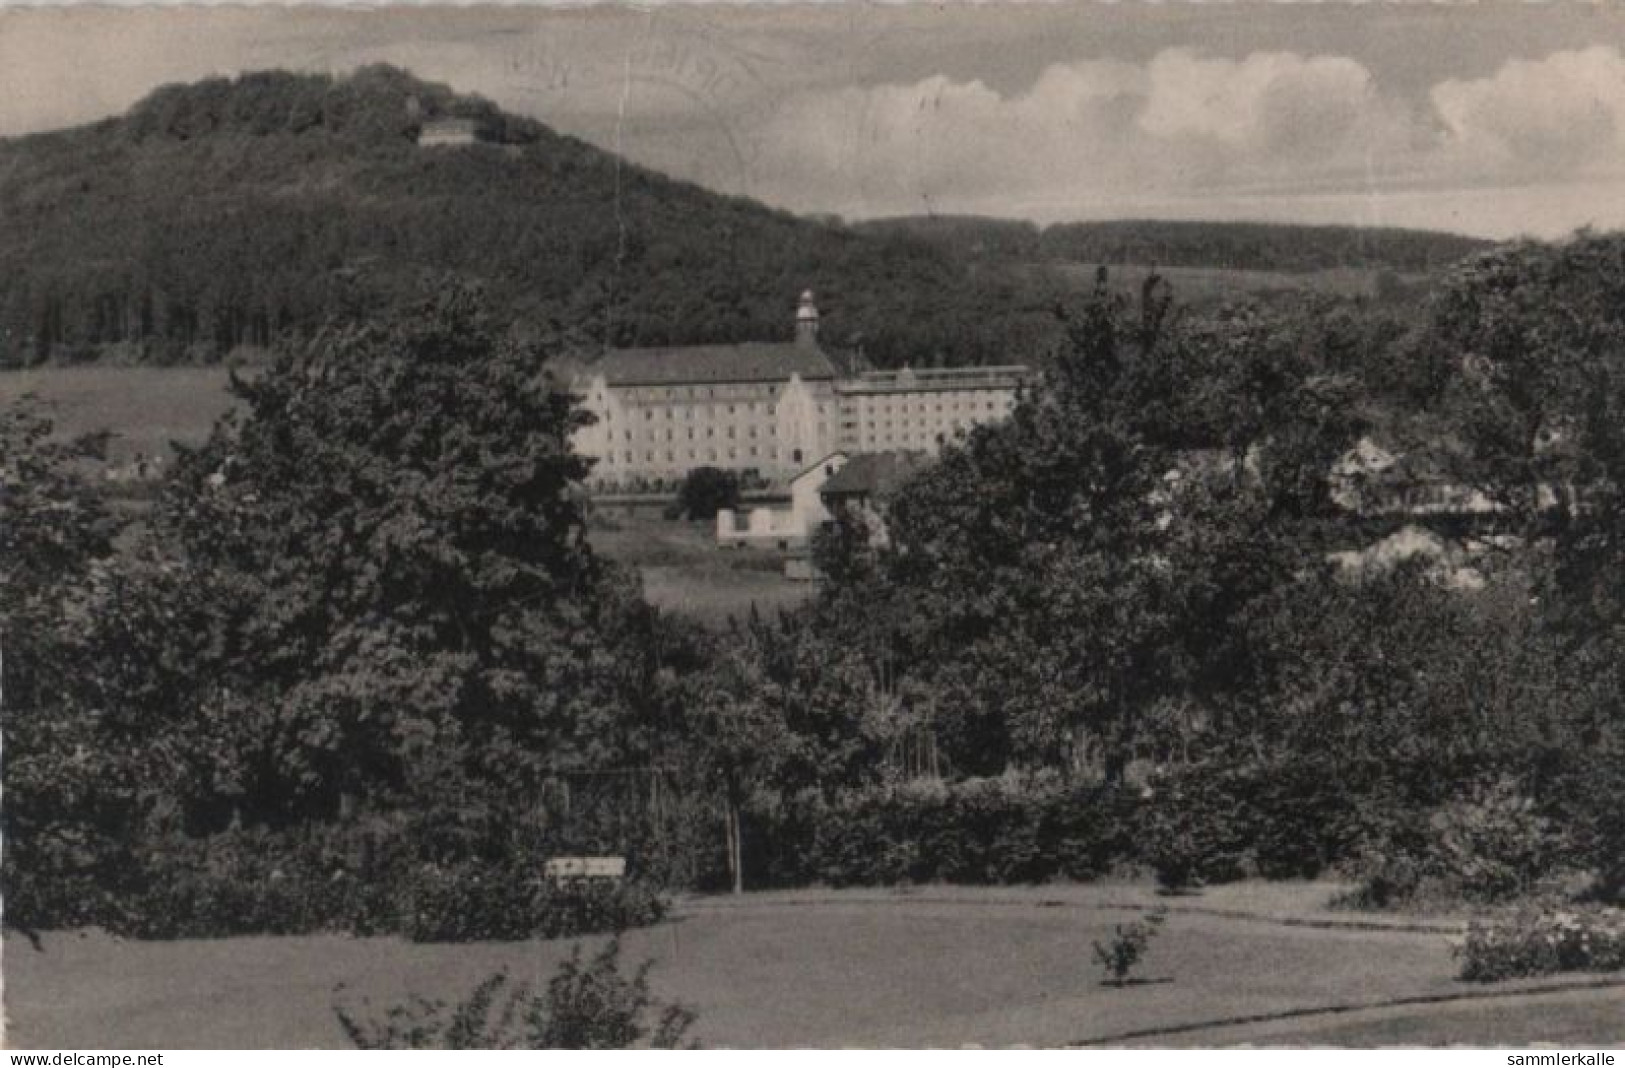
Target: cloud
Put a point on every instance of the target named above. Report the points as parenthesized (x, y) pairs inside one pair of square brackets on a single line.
[(1343, 124), (1270, 101), (1561, 116), (1095, 137), (1181, 122)]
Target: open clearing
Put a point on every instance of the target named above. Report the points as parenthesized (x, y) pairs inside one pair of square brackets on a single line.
[(684, 571), (145, 408), (935, 967)]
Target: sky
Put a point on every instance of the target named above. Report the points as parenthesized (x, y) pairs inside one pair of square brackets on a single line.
[(1493, 119)]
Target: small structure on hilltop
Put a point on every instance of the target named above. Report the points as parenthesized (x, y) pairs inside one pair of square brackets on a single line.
[(447, 132)]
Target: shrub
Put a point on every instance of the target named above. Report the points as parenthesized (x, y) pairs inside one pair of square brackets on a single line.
[(1489, 848), (1193, 830), (249, 882), (332, 879), (585, 1006), (1128, 945), (1537, 941), (1592, 791), (705, 491), (981, 831), (470, 901), (476, 901), (1300, 817), (1494, 847)]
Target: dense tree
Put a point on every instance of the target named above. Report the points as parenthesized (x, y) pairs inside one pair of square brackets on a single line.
[(407, 604), (66, 793), (1534, 409), (1536, 336), (707, 490), (1031, 554)]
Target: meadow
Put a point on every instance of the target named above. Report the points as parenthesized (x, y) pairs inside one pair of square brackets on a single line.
[(684, 572), (144, 408)]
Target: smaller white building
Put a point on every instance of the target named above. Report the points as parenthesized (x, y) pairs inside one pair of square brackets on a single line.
[(786, 528), (448, 132)]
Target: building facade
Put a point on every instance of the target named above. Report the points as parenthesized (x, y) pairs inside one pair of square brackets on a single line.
[(918, 410), (767, 410)]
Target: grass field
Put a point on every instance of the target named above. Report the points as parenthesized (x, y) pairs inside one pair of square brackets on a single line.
[(144, 407), (939, 967), (684, 572)]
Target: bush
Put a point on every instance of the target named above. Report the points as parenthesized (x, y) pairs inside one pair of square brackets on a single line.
[(585, 1006), (358, 881), (1494, 847), (1592, 790), (1538, 941), (1489, 848), (1127, 947), (1300, 818), (1193, 830), (707, 490), (251, 882), (981, 831), (1212, 822)]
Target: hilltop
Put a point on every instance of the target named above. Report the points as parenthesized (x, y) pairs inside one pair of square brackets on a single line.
[(229, 213)]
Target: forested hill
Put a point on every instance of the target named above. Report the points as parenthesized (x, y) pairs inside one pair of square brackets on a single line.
[(229, 213), (1239, 246)]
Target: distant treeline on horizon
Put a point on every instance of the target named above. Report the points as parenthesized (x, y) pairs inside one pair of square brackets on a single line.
[(1253, 246)]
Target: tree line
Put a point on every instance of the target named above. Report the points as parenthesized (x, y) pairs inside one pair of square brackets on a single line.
[(1166, 243)]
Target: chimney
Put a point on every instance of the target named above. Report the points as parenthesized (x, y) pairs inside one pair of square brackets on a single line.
[(807, 320)]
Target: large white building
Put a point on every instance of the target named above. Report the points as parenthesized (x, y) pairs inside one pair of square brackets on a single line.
[(767, 410)]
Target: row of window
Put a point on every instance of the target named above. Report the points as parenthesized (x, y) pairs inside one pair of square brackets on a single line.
[(730, 432), (671, 455), (888, 405), (657, 393), (923, 407), (711, 432)]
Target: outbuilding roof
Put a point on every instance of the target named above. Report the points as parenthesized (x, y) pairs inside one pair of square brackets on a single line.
[(874, 473)]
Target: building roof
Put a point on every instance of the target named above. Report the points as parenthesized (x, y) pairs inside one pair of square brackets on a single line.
[(875, 473), (751, 362), (813, 467), (938, 379)]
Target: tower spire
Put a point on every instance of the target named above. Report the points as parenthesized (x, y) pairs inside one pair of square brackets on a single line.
[(807, 319)]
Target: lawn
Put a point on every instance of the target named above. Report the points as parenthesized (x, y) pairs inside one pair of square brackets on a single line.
[(941, 967)]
